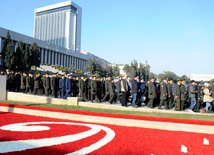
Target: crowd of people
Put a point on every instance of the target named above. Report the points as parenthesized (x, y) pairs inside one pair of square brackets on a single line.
[(177, 95)]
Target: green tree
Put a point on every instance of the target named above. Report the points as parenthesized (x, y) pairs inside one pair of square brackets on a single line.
[(89, 66), (19, 56), (9, 56), (26, 57), (6, 42), (35, 55)]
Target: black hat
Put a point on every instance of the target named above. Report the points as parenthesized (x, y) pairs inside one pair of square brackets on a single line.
[(192, 81)]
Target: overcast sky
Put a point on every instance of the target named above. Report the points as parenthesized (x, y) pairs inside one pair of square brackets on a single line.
[(172, 35)]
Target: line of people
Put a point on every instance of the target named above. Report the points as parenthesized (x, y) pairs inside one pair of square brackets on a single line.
[(168, 93)]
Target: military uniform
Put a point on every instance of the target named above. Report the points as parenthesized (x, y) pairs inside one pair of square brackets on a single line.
[(163, 95), (183, 96), (170, 97), (46, 84), (37, 81), (23, 83), (151, 94), (119, 93), (107, 93), (111, 88), (93, 90), (177, 97)]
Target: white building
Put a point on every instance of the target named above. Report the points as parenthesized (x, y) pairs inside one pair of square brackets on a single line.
[(59, 24), (201, 77)]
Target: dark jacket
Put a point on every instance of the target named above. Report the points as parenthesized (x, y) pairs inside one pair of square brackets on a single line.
[(23, 82), (177, 91), (111, 88), (46, 82), (183, 92), (135, 86), (163, 91), (68, 85), (169, 90), (37, 82), (62, 84), (93, 87), (151, 90), (192, 91)]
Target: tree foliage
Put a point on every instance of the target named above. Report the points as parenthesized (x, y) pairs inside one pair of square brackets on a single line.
[(9, 56), (34, 55), (21, 58), (137, 69), (94, 68)]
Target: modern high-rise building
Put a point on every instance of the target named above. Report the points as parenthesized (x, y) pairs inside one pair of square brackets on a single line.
[(59, 24)]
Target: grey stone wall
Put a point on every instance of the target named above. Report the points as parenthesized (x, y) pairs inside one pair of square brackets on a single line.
[(3, 82)]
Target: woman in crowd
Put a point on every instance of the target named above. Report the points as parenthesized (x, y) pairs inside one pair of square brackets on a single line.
[(207, 98)]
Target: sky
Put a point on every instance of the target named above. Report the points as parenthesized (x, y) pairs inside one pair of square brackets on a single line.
[(172, 35)]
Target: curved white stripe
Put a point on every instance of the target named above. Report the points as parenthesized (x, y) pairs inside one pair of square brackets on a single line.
[(20, 145)]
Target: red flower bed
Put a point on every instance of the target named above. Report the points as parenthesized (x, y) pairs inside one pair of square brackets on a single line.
[(127, 140)]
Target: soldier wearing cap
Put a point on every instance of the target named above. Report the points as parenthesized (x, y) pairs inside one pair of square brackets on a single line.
[(68, 86), (163, 94), (151, 92), (111, 88), (29, 83), (94, 90), (183, 94), (37, 80), (23, 82), (54, 85), (170, 95), (177, 96), (119, 93), (46, 84), (62, 85), (107, 93)]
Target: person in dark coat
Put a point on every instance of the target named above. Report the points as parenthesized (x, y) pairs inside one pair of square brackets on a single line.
[(151, 93), (177, 96), (28, 83), (54, 85), (68, 87), (46, 84), (81, 86), (89, 88), (142, 85), (99, 89), (23, 82), (163, 94), (170, 96), (119, 93), (85, 88), (111, 91), (107, 93), (192, 91), (183, 94), (74, 87), (135, 89), (17, 80), (94, 89), (37, 81), (62, 86), (124, 90)]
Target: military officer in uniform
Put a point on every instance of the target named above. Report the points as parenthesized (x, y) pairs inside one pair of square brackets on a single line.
[(169, 91), (37, 80), (151, 93), (177, 96), (93, 89), (111, 88), (183, 94), (163, 94)]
